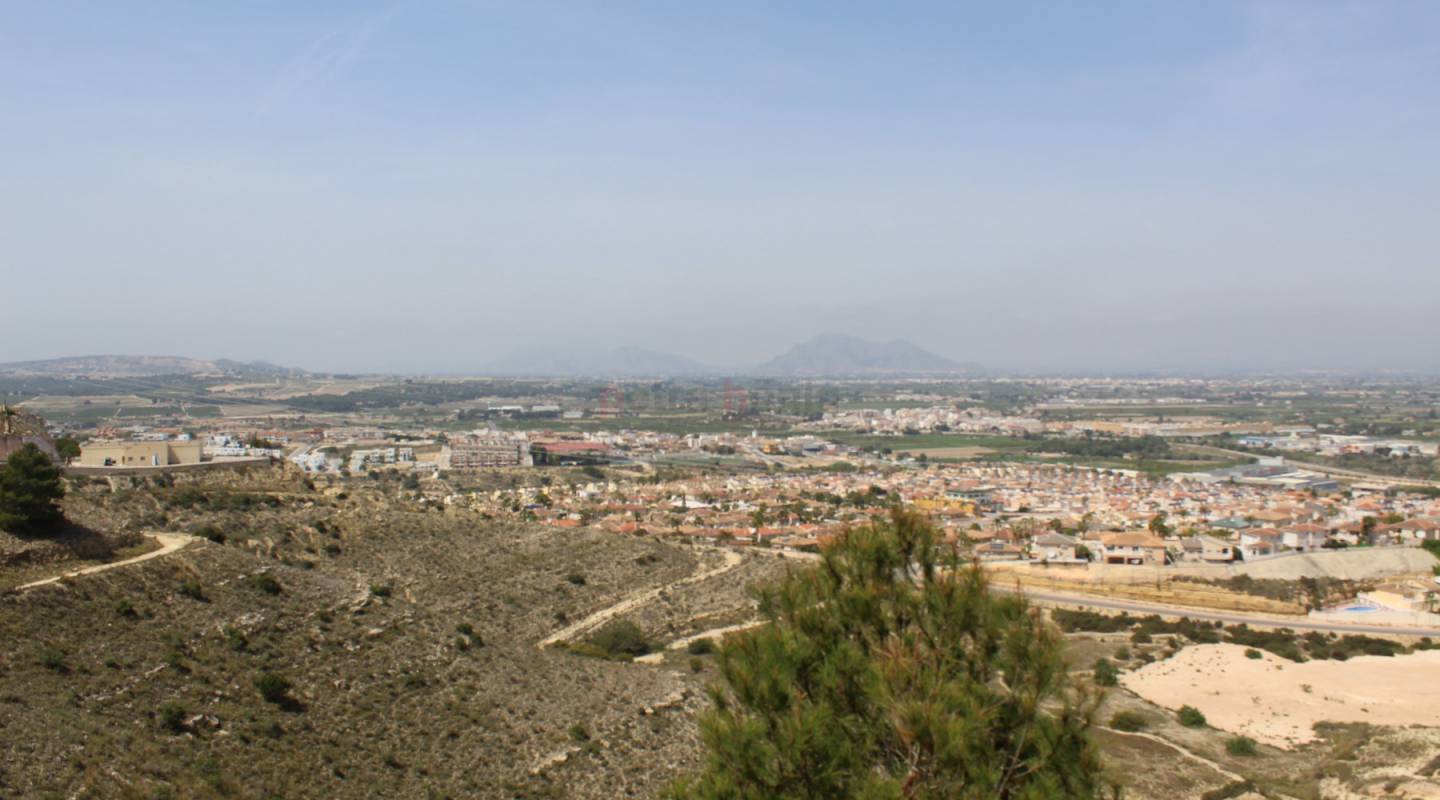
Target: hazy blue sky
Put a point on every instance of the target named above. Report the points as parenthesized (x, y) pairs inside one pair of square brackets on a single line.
[(432, 184)]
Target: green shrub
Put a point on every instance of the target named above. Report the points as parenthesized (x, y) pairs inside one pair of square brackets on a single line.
[(579, 733), (1251, 652), (274, 688), (381, 590), (575, 579), (1282, 642), (587, 649), (1350, 645), (700, 647), (1241, 746), (212, 533), (235, 639), (126, 609), (1129, 721), (172, 717), (621, 639), (192, 590), (53, 659), (1122, 653), (1191, 717), (1105, 673), (1072, 621), (1141, 637), (264, 582)]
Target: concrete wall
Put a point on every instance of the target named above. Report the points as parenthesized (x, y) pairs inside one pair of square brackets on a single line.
[(1354, 564), (232, 463)]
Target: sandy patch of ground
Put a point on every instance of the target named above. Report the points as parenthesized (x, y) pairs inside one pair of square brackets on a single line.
[(1278, 701)]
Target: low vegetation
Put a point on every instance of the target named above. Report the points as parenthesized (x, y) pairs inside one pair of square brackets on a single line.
[(1241, 746), (1284, 642), (620, 639), (1129, 721), (1190, 717)]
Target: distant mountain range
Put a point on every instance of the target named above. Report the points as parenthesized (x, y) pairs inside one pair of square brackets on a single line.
[(112, 366), (827, 355), (833, 355)]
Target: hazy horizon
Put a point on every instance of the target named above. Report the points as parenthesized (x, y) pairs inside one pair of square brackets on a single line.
[(429, 187)]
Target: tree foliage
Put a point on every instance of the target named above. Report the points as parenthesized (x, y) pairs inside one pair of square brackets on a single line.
[(890, 671), (67, 447), (30, 492)]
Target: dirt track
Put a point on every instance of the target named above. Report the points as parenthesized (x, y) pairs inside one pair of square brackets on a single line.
[(634, 600), (169, 543)]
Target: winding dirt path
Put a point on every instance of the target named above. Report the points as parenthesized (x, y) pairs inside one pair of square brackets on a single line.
[(169, 543), (635, 600), (1193, 756), (714, 633)]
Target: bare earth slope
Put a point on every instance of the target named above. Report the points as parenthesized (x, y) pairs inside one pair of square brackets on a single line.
[(409, 637)]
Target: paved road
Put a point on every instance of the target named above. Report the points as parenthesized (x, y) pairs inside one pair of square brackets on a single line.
[(1339, 472), (169, 543), (1295, 623)]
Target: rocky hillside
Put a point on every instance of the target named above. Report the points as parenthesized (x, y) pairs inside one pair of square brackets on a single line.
[(354, 641), (407, 638)]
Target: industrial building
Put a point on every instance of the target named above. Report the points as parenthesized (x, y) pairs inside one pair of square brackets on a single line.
[(139, 454)]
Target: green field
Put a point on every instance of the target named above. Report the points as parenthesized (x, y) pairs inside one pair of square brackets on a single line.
[(1014, 450), (928, 441), (678, 424)]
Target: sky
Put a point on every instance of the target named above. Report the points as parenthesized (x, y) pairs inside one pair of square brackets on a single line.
[(429, 186)]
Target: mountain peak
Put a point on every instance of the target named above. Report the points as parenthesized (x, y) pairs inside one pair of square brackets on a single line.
[(841, 354)]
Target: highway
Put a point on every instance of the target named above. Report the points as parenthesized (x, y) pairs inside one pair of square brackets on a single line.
[(1231, 618), (1254, 620), (1338, 472)]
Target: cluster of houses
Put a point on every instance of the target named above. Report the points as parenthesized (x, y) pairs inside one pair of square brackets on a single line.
[(998, 512), (1216, 546)]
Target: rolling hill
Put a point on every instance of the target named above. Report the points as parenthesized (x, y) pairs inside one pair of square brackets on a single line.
[(118, 366)]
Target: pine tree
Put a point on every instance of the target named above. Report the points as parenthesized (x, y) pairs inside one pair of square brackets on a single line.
[(30, 490), (890, 671)]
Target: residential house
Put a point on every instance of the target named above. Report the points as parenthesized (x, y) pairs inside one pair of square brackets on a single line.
[(1054, 547), (1207, 549), (1305, 537), (1415, 531), (997, 550), (1137, 547), (1260, 542)]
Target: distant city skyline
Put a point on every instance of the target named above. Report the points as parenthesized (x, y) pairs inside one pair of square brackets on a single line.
[(429, 187)]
